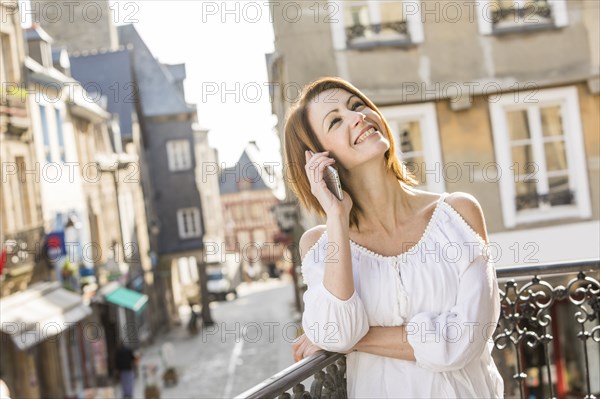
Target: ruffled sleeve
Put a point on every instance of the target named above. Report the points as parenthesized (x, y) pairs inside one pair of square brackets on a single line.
[(450, 340), (330, 323)]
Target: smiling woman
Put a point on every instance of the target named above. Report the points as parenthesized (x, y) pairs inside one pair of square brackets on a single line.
[(324, 96), (398, 278)]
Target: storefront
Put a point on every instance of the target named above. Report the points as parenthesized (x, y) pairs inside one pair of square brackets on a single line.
[(47, 342), (121, 312)]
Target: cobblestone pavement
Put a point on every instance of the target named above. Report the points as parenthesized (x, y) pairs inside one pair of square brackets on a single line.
[(250, 341)]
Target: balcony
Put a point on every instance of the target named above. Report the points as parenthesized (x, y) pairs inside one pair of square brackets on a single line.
[(23, 249), (364, 36), (538, 303), (533, 15), (13, 108)]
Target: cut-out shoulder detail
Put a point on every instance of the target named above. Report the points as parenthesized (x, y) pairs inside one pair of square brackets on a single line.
[(467, 225), (467, 208), (310, 239)]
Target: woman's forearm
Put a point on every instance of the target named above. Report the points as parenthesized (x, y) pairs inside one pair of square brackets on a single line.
[(386, 341), (338, 278)]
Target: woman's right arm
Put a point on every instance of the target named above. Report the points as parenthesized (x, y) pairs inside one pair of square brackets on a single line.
[(338, 278), (334, 317), (329, 322)]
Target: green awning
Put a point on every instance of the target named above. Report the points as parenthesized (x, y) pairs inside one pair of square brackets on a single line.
[(127, 298)]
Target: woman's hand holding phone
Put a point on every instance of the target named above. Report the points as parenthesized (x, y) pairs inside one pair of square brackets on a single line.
[(315, 170)]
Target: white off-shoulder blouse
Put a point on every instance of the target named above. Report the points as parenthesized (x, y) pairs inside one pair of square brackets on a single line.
[(443, 289)]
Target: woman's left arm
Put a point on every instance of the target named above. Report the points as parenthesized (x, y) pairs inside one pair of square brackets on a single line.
[(450, 340), (442, 341)]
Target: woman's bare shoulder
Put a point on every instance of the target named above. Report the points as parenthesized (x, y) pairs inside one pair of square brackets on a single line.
[(469, 208), (310, 237), (424, 200)]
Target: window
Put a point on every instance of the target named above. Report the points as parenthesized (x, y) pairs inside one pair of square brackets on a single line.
[(257, 211), (6, 70), (499, 16), (244, 183), (59, 131), (46, 133), (188, 221), (413, 125), (539, 148), (238, 212), (188, 270), (243, 239), (259, 236), (179, 155), (24, 191), (366, 24), (127, 218)]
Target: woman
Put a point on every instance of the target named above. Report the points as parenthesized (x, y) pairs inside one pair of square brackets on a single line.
[(398, 278)]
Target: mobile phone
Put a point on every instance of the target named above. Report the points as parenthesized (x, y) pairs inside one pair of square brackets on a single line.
[(332, 180)]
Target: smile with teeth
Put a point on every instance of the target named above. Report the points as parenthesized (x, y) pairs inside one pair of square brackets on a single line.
[(364, 136)]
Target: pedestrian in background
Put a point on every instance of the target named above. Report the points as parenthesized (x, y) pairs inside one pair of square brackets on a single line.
[(126, 363)]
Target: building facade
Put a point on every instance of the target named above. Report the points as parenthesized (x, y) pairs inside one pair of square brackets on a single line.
[(21, 229), (499, 99), (155, 120), (249, 192), (481, 99), (40, 356)]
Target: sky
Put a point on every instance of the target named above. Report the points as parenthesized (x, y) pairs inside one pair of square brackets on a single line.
[(223, 45)]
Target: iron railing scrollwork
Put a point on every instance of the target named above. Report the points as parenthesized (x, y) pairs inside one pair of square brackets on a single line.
[(361, 30), (23, 247), (525, 317), (526, 13), (535, 200)]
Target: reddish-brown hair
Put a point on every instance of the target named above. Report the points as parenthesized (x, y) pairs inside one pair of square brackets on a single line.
[(299, 137)]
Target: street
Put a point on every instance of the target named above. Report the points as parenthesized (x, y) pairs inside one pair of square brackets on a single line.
[(250, 341)]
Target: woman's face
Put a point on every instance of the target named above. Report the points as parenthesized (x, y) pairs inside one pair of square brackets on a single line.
[(347, 128)]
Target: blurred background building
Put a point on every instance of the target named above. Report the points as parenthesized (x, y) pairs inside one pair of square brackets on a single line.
[(103, 198), (249, 191)]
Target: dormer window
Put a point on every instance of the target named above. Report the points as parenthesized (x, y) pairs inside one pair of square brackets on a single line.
[(39, 45)]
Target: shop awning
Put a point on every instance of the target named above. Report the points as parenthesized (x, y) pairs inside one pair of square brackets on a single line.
[(40, 312), (127, 298)]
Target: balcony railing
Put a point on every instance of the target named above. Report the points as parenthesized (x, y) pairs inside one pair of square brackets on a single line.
[(386, 33), (532, 15), (13, 110), (356, 31), (540, 8), (22, 248), (527, 297)]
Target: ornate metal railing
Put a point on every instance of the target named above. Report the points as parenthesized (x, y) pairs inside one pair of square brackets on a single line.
[(22, 247), (525, 320), (330, 383), (360, 30), (526, 13)]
